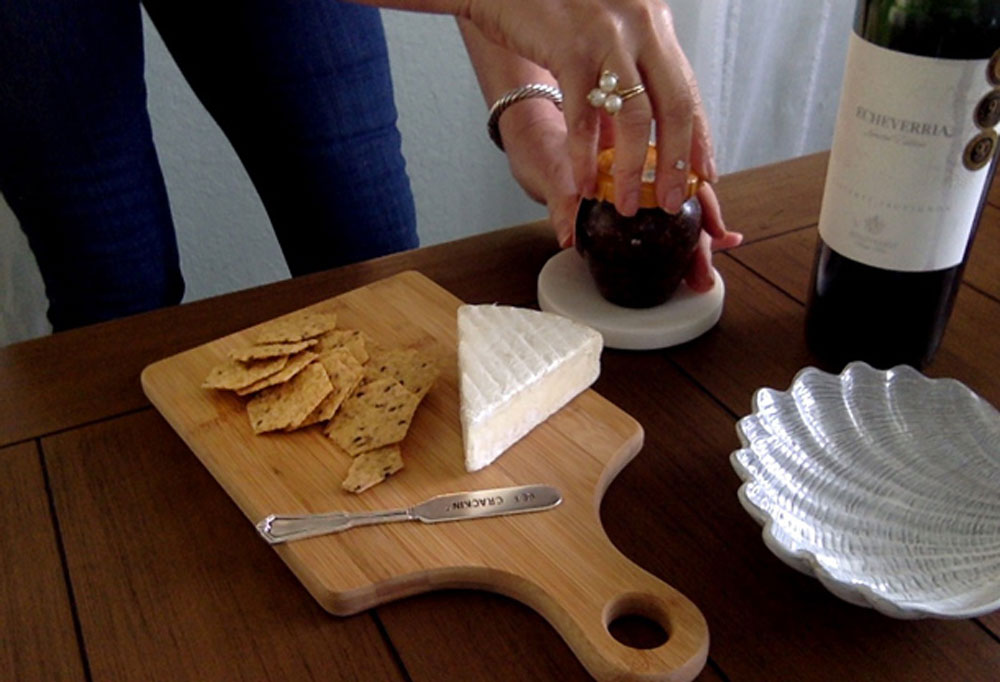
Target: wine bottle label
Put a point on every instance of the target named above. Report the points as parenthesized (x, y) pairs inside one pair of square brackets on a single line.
[(899, 194)]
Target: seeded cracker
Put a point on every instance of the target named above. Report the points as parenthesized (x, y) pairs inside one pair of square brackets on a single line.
[(296, 327), (408, 366), (345, 375), (296, 364), (349, 339), (270, 350), (234, 375), (280, 406), (371, 468), (376, 414)]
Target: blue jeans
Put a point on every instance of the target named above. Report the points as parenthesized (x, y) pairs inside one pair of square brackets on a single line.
[(301, 88)]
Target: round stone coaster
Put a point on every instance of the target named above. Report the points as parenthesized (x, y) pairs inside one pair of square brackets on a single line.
[(566, 287)]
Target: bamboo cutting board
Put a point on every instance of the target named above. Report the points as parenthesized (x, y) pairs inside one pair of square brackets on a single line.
[(559, 562)]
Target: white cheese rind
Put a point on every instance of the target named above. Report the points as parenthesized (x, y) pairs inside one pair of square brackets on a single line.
[(517, 367)]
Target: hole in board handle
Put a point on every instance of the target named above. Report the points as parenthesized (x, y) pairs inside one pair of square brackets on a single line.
[(637, 621)]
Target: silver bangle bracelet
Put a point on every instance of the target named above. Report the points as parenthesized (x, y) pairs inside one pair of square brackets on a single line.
[(549, 92)]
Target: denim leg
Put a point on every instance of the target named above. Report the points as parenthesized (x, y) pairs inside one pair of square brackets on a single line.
[(77, 163), (303, 91)]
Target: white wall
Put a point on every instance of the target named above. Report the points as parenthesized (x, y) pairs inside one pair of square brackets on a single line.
[(769, 72)]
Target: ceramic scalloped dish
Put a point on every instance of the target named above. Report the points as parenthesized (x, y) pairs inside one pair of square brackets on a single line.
[(884, 485)]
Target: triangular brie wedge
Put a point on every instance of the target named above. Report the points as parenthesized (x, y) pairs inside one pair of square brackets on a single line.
[(517, 366)]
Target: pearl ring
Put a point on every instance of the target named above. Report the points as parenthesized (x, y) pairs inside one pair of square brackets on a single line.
[(607, 96)]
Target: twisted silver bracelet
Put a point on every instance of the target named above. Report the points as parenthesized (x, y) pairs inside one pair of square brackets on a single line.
[(549, 92)]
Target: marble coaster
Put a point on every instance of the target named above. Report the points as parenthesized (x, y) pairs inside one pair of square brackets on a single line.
[(566, 287)]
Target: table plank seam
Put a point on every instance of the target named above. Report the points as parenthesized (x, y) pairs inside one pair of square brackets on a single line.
[(54, 392), (394, 652), (73, 427), (63, 560), (717, 669), (980, 290), (734, 256), (760, 238), (989, 631), (703, 388)]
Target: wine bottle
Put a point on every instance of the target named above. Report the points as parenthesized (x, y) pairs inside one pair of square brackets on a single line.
[(910, 166)]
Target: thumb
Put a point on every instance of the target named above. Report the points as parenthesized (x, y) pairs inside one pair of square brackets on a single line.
[(535, 141), (562, 214)]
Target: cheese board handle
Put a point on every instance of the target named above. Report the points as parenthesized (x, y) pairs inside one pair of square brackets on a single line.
[(621, 588)]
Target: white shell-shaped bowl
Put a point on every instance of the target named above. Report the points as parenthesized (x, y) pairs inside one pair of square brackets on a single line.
[(884, 485)]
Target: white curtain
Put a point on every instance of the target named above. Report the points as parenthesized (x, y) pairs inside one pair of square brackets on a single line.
[(769, 72)]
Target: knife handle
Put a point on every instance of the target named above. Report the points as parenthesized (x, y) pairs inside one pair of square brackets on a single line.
[(278, 528)]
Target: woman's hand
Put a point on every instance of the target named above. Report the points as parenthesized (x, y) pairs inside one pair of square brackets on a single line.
[(714, 236), (535, 139), (534, 134), (576, 41), (553, 153)]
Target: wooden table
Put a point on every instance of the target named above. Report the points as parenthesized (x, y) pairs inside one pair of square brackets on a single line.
[(124, 560)]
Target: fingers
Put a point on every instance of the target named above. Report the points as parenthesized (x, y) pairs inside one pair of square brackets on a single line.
[(641, 48), (535, 139), (699, 276), (583, 122), (702, 152), (714, 236), (576, 42), (562, 214), (674, 105), (682, 138), (711, 219), (631, 130), (692, 129)]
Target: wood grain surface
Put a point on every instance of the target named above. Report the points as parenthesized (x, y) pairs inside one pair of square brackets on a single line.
[(559, 562), (967, 352), (37, 634), (982, 271), (768, 621), (171, 584), (139, 566)]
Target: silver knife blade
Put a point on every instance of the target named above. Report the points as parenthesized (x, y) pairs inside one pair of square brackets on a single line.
[(278, 528)]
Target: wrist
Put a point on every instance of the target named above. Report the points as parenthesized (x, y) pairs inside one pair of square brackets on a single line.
[(528, 118), (523, 102)]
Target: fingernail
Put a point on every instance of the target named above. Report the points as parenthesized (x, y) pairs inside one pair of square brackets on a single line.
[(674, 200), (630, 203), (713, 174)]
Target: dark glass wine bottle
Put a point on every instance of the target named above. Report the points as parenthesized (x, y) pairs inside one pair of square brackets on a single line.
[(911, 164)]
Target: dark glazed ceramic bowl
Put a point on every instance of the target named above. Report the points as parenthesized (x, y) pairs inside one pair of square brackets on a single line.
[(638, 261)]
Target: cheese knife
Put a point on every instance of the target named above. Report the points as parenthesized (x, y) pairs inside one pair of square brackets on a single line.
[(278, 528)]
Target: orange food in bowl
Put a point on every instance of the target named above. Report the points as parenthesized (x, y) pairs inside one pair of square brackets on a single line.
[(647, 190)]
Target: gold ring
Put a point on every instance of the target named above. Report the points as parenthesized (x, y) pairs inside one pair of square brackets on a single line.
[(607, 96), (628, 94)]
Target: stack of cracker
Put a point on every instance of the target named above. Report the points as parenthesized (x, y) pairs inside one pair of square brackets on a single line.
[(303, 370)]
